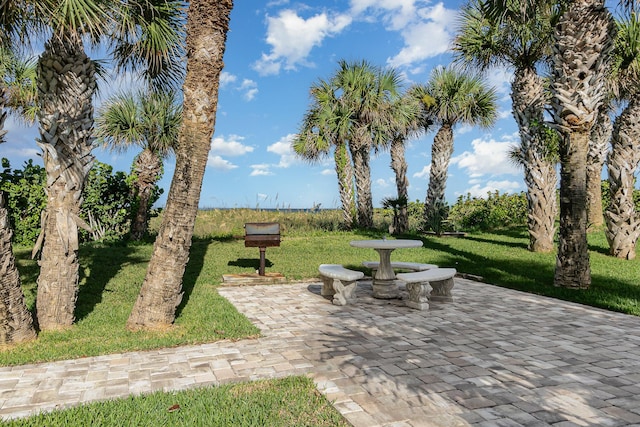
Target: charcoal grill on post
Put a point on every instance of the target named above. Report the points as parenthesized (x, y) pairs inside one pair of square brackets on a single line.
[(260, 235)]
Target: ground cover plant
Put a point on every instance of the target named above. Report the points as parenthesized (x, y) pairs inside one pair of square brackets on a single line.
[(292, 401)]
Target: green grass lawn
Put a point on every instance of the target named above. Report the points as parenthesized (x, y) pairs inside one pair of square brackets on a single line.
[(292, 401)]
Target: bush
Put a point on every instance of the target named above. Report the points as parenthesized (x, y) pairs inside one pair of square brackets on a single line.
[(496, 211)]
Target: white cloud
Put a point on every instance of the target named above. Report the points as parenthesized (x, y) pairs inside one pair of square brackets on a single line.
[(427, 30), (488, 158), (218, 163), (226, 79), (328, 172), (382, 183), (504, 186), (292, 38), (250, 89), (424, 173), (285, 151), (229, 147), (262, 169)]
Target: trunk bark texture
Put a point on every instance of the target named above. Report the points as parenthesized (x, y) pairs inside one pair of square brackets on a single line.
[(148, 169), (16, 322), (623, 222), (399, 166), (441, 152), (580, 64), (344, 170), (600, 139), (527, 94), (360, 153), (161, 292), (66, 85)]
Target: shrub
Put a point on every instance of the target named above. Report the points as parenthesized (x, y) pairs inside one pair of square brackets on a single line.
[(496, 211)]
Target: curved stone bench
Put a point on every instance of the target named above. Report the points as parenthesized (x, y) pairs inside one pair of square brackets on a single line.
[(399, 265), (339, 282), (440, 279)]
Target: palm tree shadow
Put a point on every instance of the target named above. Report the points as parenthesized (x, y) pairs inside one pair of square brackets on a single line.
[(197, 253), (100, 264)]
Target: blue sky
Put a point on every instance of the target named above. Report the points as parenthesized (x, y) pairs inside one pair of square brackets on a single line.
[(275, 51)]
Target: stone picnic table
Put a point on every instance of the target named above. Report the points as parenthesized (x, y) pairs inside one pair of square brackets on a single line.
[(384, 286)]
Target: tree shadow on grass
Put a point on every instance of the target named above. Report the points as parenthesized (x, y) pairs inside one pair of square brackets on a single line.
[(197, 254), (98, 265)]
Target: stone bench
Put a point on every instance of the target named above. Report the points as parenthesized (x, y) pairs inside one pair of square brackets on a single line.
[(440, 279), (399, 265), (339, 282)]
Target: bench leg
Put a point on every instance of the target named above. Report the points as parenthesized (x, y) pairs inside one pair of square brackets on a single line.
[(441, 291), (327, 289), (417, 296), (345, 292)]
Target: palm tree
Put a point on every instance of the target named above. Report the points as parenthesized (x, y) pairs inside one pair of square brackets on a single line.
[(459, 97), (520, 41), (582, 45), (17, 88), (325, 126), (623, 222), (596, 156), (409, 119), (145, 32), (366, 92), (16, 322), (150, 120), (161, 292)]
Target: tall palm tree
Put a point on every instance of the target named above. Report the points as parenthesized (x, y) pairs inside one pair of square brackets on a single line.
[(150, 120), (522, 42), (66, 85), (623, 222), (324, 127), (582, 46), (366, 91), (409, 119), (161, 292), (459, 98)]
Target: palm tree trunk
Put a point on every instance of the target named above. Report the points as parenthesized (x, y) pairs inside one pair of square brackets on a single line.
[(344, 170), (600, 138), (148, 167), (580, 64), (623, 222), (572, 264), (3, 112), (161, 292), (66, 85), (360, 153), (441, 152), (399, 166), (527, 94), (16, 322)]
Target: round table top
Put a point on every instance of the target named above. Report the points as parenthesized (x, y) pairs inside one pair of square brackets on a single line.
[(386, 244)]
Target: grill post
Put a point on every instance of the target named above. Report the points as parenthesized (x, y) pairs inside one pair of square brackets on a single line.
[(261, 235)]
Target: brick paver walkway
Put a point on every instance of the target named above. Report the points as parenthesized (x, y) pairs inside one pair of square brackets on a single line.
[(493, 357)]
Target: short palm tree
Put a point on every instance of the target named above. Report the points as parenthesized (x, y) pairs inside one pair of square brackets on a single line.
[(18, 88), (459, 97), (161, 291), (150, 120), (623, 222), (324, 128), (522, 42)]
